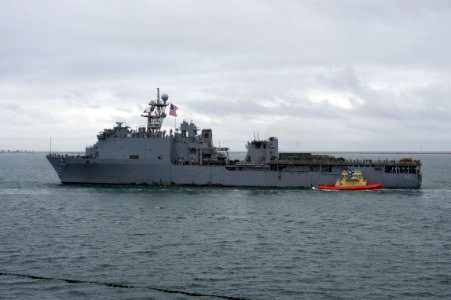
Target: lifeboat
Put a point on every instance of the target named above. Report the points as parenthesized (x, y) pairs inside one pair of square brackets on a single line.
[(406, 160), (350, 180)]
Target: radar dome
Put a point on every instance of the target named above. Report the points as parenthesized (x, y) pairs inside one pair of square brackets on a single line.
[(165, 97)]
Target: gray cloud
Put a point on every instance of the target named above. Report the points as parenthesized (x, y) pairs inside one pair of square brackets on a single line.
[(321, 75)]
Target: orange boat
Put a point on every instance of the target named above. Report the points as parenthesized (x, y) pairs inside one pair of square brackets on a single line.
[(350, 180)]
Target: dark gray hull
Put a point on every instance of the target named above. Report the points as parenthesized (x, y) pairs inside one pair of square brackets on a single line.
[(72, 169)]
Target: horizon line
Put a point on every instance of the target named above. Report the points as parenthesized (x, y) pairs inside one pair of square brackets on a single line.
[(6, 151)]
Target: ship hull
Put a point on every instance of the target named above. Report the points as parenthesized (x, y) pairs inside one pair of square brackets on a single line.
[(72, 169)]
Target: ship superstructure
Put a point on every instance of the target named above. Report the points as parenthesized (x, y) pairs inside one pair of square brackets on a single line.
[(187, 156)]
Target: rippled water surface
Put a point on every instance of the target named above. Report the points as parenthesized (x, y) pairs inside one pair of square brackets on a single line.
[(250, 243)]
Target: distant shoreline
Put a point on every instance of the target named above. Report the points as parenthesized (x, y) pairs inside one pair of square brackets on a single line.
[(313, 152)]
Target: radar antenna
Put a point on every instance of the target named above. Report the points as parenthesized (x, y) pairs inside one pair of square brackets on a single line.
[(155, 113)]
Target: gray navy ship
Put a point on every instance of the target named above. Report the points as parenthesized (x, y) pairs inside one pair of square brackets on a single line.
[(187, 156)]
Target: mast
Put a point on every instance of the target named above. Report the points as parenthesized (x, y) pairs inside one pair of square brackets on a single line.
[(155, 113)]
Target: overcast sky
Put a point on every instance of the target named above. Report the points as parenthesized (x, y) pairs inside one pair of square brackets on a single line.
[(319, 75)]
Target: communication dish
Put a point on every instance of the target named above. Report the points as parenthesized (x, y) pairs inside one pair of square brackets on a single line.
[(165, 97)]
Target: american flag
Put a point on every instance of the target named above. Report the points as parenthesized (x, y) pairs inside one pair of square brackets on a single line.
[(173, 110)]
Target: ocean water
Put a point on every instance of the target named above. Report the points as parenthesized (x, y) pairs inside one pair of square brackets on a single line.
[(234, 242)]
